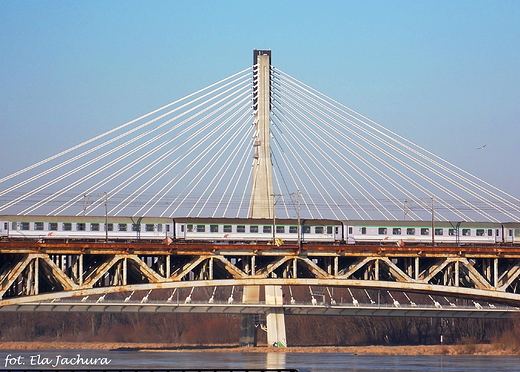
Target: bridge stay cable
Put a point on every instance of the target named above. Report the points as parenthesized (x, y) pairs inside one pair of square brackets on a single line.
[(68, 161), (192, 157), (120, 171), (370, 153), (452, 172), (26, 169), (170, 154), (324, 143)]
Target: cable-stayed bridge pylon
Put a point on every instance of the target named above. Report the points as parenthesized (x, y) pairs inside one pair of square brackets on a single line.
[(194, 156)]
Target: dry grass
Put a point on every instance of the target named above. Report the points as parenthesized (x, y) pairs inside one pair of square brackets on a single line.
[(487, 349)]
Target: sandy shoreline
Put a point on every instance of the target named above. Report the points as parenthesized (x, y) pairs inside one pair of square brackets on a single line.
[(377, 350)]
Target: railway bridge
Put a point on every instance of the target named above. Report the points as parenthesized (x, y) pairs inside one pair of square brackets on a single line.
[(370, 280), (259, 144)]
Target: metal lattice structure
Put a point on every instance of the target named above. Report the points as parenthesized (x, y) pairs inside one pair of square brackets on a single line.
[(45, 271)]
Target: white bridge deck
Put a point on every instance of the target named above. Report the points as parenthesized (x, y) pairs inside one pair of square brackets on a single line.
[(404, 310)]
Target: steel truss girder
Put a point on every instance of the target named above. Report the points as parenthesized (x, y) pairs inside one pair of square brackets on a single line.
[(55, 275)]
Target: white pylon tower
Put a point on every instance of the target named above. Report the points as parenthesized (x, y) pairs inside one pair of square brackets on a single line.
[(262, 192), (262, 197)]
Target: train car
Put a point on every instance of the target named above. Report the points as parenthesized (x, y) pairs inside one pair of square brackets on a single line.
[(511, 232), (85, 228), (244, 230), (420, 232)]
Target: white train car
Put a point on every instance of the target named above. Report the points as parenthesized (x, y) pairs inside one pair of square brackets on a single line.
[(85, 228), (256, 230), (242, 230), (511, 232), (420, 232)]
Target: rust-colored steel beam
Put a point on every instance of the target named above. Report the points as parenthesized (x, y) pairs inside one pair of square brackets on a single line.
[(211, 248)]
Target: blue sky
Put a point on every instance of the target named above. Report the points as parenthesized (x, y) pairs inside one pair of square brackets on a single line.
[(444, 74)]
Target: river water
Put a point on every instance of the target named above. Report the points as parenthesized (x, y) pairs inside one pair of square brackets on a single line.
[(143, 360)]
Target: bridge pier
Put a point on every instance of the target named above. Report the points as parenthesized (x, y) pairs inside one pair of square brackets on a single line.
[(248, 327), (275, 318), (248, 330)]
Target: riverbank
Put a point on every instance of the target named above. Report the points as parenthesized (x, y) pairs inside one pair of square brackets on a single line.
[(480, 349)]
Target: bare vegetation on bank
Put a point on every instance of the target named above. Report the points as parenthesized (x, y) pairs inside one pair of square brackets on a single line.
[(459, 336)]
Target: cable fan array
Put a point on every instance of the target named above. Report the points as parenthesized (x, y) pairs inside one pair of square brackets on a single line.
[(193, 157)]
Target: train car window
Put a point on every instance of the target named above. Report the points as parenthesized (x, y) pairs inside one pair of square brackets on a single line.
[(280, 229), (490, 232), (80, 226), (5, 225), (329, 230), (24, 226), (168, 228), (159, 227), (410, 231), (228, 228), (293, 229), (201, 228), (452, 232), (480, 232), (136, 227), (182, 228), (213, 228), (306, 229), (267, 229), (189, 228), (109, 227), (67, 226), (94, 227), (122, 226), (364, 230), (38, 225), (382, 230), (14, 226), (425, 231), (466, 232), (497, 232), (149, 227), (53, 226), (439, 232), (396, 231), (253, 229), (318, 229), (350, 230), (241, 229)]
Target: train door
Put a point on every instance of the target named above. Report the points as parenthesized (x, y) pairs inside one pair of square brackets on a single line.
[(498, 236), (4, 228), (169, 230), (516, 237), (181, 231), (350, 235), (338, 236), (510, 235)]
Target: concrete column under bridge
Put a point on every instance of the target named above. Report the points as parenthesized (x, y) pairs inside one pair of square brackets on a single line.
[(262, 201)]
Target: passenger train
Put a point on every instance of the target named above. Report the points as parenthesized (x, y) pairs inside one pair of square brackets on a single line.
[(251, 231)]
